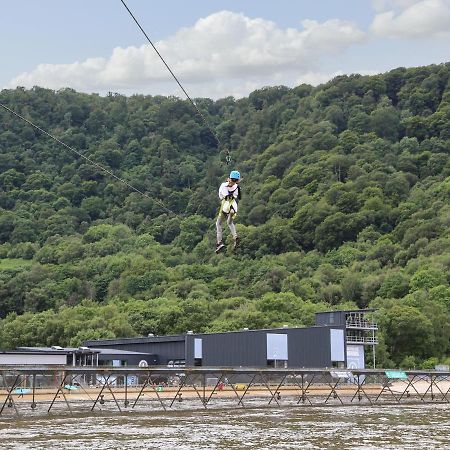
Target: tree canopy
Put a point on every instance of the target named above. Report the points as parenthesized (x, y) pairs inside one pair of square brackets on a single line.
[(346, 205)]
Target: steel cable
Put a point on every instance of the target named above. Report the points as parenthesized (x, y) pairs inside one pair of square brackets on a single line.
[(104, 169), (205, 120)]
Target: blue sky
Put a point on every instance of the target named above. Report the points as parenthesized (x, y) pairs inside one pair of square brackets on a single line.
[(216, 47)]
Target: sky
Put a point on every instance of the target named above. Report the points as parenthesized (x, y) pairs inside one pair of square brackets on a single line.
[(217, 48)]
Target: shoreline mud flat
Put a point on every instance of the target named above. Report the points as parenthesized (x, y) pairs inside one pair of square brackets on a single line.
[(396, 427)]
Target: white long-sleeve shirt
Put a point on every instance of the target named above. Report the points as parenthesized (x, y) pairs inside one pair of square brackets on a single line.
[(225, 190)]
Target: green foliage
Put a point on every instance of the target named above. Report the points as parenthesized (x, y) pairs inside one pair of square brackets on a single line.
[(68, 327), (427, 279), (345, 205), (12, 264), (408, 331)]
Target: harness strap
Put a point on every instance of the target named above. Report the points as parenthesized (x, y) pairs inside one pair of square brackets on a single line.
[(232, 210)]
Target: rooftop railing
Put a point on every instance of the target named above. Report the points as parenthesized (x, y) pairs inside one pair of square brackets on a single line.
[(361, 324), (362, 340)]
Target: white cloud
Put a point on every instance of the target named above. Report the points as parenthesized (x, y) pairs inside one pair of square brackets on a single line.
[(225, 53), (412, 18)]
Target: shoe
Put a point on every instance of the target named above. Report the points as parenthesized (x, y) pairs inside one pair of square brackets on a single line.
[(220, 246), (236, 242)]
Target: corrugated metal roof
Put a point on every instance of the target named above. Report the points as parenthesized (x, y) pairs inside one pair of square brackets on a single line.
[(139, 339), (31, 351), (182, 337), (113, 351), (65, 350)]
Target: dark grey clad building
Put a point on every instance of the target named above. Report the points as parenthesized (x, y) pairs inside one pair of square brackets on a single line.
[(338, 339)]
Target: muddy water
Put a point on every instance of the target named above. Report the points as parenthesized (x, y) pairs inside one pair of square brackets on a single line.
[(377, 427)]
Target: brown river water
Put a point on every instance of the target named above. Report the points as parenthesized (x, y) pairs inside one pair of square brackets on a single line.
[(336, 427)]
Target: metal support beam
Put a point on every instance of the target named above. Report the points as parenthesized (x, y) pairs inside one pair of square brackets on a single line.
[(9, 398), (61, 389), (360, 389), (265, 386)]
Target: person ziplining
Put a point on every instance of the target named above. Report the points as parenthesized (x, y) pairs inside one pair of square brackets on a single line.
[(229, 194), (229, 191)]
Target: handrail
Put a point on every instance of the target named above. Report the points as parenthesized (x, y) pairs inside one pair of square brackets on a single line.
[(130, 370), (362, 339), (366, 324)]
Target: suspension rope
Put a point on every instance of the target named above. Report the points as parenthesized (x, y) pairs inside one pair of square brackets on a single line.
[(205, 120), (104, 169)]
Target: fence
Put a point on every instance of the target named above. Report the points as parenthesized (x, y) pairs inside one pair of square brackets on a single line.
[(29, 390)]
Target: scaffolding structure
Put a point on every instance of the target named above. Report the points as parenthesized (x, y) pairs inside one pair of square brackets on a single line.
[(28, 390), (361, 328)]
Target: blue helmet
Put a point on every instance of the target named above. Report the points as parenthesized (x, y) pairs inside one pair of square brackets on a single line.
[(235, 174)]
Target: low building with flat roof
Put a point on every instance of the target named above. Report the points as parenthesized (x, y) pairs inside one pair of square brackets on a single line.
[(76, 357), (337, 340), (33, 357)]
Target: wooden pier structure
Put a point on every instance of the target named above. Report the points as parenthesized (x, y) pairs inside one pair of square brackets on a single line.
[(57, 390)]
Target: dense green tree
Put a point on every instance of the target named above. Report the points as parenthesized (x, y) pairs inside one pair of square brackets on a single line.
[(345, 204), (408, 331)]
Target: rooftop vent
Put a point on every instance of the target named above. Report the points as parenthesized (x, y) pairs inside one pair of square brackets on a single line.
[(150, 335), (190, 332), (57, 347), (246, 329), (285, 326)]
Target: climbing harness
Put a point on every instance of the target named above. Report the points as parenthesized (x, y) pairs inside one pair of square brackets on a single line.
[(229, 206)]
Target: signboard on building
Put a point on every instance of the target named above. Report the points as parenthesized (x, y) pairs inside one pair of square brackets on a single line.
[(277, 346), (198, 348), (337, 345), (355, 357)]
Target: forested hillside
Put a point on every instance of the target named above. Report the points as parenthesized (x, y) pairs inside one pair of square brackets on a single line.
[(346, 203)]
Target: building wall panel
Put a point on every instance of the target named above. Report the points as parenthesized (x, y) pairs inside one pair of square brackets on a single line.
[(166, 350), (306, 347), (18, 359), (337, 344)]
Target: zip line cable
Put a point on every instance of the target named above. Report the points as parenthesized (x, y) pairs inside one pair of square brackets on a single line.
[(205, 120), (104, 169)]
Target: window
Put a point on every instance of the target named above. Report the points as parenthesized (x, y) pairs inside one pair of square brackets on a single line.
[(277, 363), (337, 365)]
